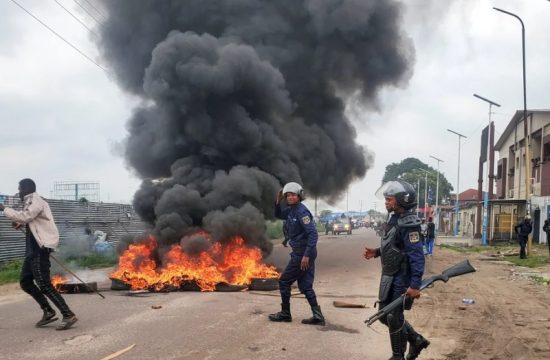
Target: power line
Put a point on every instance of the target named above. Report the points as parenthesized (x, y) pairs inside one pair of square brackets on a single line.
[(87, 12), (74, 16), (59, 36), (96, 9)]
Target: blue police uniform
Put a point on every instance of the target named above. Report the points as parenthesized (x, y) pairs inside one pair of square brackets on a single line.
[(402, 257), (302, 238)]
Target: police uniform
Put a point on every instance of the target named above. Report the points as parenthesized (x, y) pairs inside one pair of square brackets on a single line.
[(402, 256), (523, 229), (302, 238)]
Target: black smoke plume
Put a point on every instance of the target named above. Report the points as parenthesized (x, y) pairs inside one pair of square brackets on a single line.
[(241, 96)]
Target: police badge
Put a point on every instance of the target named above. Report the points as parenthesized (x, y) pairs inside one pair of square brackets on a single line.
[(414, 237), (306, 220)]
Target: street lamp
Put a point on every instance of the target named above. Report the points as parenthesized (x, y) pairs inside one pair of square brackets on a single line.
[(486, 197), (527, 138), (437, 196), (426, 172), (457, 180)]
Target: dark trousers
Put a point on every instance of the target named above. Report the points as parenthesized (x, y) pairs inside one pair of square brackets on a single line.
[(522, 243), (399, 329), (305, 279), (398, 313), (35, 281)]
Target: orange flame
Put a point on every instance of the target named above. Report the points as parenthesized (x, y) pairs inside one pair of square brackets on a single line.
[(57, 280), (232, 263)]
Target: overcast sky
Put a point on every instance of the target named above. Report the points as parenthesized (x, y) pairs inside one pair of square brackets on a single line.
[(63, 118)]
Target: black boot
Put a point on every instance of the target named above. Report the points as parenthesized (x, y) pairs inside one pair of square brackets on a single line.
[(398, 342), (283, 315), (317, 318), (417, 342), (47, 317)]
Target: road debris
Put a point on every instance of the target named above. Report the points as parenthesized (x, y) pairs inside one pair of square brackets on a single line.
[(343, 304), (118, 353)]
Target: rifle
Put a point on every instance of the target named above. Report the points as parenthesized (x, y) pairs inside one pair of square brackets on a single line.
[(461, 268)]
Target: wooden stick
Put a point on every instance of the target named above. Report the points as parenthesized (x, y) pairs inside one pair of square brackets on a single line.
[(118, 353), (343, 304)]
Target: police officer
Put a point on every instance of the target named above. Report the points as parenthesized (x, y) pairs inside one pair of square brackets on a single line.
[(402, 266), (523, 229), (302, 236), (546, 229)]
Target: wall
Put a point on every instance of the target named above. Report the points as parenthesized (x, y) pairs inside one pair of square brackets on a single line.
[(72, 218)]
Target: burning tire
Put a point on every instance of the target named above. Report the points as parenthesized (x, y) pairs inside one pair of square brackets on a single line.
[(224, 287), (119, 285), (78, 288), (190, 286), (264, 284)]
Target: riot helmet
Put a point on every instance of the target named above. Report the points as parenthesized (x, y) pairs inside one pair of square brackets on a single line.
[(293, 187), (404, 193)]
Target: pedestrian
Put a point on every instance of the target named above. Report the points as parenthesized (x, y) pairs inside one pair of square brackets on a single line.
[(402, 267), (523, 229), (327, 227), (424, 235), (430, 237), (42, 238), (546, 229), (303, 241)]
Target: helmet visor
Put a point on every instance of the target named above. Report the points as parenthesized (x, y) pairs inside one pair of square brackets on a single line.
[(391, 188)]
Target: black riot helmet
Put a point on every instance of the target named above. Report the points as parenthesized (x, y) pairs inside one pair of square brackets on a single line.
[(404, 193)]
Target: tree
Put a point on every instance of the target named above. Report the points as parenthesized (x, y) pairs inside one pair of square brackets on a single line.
[(325, 213), (410, 170)]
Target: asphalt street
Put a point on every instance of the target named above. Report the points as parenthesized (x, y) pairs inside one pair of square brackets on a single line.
[(194, 325)]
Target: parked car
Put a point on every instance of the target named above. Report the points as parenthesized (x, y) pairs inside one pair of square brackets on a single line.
[(340, 227)]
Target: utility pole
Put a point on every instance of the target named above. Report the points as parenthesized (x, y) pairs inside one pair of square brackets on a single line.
[(437, 196), (315, 205), (426, 172), (489, 172), (457, 182), (525, 129), (418, 192), (347, 200)]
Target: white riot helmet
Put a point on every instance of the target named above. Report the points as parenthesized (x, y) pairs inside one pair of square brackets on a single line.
[(295, 188)]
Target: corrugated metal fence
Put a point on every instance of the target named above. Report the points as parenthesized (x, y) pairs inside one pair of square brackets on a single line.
[(72, 218)]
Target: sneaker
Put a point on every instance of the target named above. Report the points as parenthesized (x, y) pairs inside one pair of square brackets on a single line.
[(67, 322), (47, 317)]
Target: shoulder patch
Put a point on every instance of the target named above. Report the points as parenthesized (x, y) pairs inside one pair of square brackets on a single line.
[(306, 220), (414, 237)]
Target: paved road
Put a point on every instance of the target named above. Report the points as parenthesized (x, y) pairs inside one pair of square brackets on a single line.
[(193, 325)]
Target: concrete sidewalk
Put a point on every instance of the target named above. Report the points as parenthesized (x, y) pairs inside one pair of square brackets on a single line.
[(457, 240)]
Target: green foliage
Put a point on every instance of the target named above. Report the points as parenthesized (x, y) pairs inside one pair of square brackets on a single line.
[(93, 261), (9, 272), (324, 213), (532, 261), (410, 170), (274, 229), (541, 280), (320, 227)]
